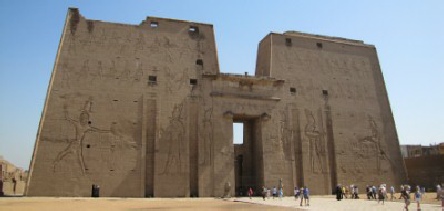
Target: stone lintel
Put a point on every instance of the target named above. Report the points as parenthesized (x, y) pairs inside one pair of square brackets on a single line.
[(244, 96)]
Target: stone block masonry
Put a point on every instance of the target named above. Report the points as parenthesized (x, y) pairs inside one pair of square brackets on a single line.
[(144, 111)]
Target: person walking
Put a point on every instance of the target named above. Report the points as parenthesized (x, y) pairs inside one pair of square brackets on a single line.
[(296, 193), (392, 192), (352, 192), (368, 190), (374, 191), (274, 191), (305, 196), (356, 192), (441, 195), (264, 192), (418, 197), (338, 193), (381, 194), (343, 192), (401, 191), (438, 191), (250, 192), (406, 195)]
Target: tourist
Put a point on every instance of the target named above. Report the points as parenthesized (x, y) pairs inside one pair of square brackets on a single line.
[(418, 197), (438, 191), (250, 192), (368, 190), (351, 191), (338, 193), (281, 193), (343, 192), (401, 191), (392, 192), (268, 193), (423, 191), (405, 194), (356, 192), (264, 192), (352, 188), (381, 194), (306, 195), (274, 191), (441, 195), (296, 192), (374, 191)]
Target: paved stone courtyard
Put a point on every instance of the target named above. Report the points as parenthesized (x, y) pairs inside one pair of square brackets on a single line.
[(244, 203)]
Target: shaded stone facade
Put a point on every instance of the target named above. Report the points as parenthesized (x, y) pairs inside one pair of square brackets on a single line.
[(143, 110), (426, 171)]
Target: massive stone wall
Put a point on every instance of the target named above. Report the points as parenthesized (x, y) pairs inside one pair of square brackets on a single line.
[(336, 102), (425, 171), (142, 110), (118, 108)]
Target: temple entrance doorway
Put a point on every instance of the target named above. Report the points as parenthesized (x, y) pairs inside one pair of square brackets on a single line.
[(248, 162)]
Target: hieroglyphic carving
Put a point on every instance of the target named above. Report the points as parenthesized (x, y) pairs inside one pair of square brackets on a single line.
[(82, 127), (286, 136), (316, 139), (207, 137), (369, 147), (174, 135), (176, 79), (275, 137)]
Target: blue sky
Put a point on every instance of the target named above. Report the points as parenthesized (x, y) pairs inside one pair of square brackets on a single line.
[(407, 34)]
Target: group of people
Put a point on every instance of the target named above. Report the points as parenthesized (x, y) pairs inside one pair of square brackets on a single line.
[(266, 192), (302, 192), (346, 192), (305, 195), (378, 193), (405, 194)]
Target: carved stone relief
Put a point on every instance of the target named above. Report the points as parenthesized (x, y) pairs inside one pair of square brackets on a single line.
[(177, 79), (286, 136), (206, 137), (315, 136), (82, 127), (368, 147), (174, 135)]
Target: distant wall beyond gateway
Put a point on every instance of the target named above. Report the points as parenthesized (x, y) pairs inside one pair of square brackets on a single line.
[(143, 110)]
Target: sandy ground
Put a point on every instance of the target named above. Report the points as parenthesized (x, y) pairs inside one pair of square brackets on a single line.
[(136, 204), (244, 203)]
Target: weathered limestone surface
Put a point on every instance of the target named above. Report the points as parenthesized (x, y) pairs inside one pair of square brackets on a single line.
[(143, 110)]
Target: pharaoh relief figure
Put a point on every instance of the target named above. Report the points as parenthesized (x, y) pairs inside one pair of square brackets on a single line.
[(315, 137), (82, 126), (175, 135)]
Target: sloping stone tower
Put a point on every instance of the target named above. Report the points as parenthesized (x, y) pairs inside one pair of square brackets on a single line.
[(143, 110)]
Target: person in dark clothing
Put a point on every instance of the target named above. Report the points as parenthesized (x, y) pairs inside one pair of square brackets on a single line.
[(338, 193), (14, 182)]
